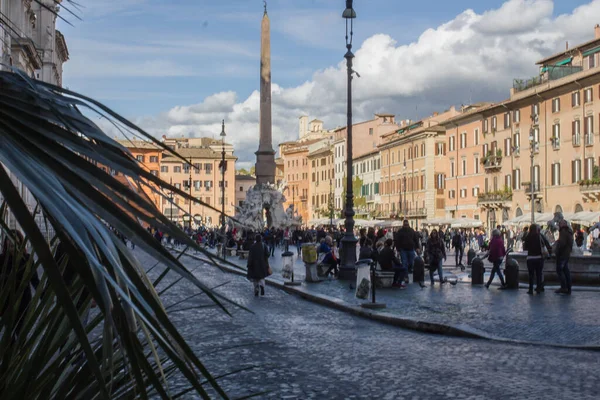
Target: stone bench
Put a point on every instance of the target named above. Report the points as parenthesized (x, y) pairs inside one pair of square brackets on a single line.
[(230, 251), (384, 279), (243, 254)]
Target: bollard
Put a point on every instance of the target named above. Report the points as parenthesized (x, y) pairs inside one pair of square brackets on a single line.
[(373, 303), (287, 259), (477, 271), (470, 256), (511, 271), (418, 270)]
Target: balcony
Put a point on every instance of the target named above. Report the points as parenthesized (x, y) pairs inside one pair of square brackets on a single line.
[(492, 162), (576, 139), (555, 143), (549, 73), (417, 212), (537, 189), (498, 199), (589, 139), (590, 189), (370, 198), (303, 199)]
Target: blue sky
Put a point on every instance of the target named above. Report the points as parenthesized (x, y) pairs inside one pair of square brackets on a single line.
[(150, 58)]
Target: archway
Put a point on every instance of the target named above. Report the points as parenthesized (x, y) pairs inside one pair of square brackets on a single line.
[(539, 208), (504, 215), (519, 212), (578, 208)]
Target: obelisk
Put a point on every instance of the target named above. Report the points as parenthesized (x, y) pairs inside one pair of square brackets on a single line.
[(265, 156)]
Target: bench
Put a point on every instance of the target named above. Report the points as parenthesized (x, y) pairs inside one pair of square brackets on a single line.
[(384, 279), (243, 254), (230, 251)]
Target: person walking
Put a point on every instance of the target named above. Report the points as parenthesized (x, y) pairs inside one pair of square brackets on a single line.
[(258, 265), (459, 249), (436, 254), (407, 242), (536, 245), (496, 254), (564, 246)]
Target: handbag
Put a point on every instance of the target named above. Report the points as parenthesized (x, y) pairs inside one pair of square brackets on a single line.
[(545, 252)]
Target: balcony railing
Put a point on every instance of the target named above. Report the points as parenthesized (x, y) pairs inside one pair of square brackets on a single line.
[(492, 162), (494, 199), (537, 188), (576, 140), (589, 139), (417, 212), (370, 197), (555, 143), (590, 189), (549, 73)]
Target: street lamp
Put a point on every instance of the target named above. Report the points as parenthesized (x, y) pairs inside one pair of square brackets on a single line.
[(404, 183), (532, 148), (348, 253), (331, 204), (190, 201), (223, 169)]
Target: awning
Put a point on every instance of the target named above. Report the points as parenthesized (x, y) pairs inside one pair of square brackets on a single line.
[(558, 64), (591, 51)]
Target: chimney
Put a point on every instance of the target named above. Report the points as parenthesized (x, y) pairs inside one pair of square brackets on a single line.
[(435, 113), (567, 45), (597, 31)]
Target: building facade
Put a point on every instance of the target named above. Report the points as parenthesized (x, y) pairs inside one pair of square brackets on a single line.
[(243, 183), (367, 170), (149, 155), (321, 174)]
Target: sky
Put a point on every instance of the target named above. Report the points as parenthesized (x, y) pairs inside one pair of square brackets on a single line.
[(179, 67)]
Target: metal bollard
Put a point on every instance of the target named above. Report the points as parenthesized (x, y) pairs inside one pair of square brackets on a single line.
[(477, 271), (511, 271), (373, 304), (418, 270), (470, 256)]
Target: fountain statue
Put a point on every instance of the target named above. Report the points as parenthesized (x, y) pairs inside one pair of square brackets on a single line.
[(263, 207)]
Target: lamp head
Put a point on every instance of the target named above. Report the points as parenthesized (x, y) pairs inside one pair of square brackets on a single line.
[(223, 129), (349, 12)]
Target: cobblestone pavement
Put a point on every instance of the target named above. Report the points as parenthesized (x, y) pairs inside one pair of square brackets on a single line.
[(299, 350), (547, 318)]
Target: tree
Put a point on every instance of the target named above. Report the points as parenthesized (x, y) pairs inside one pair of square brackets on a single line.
[(244, 171), (359, 200), (54, 149)]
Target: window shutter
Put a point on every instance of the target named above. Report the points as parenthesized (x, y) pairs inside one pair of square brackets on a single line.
[(573, 127), (553, 174), (444, 149)]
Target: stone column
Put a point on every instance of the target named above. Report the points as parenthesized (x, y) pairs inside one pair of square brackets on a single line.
[(265, 156)]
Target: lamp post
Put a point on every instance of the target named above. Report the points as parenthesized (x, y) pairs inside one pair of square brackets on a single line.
[(190, 201), (348, 253), (331, 204), (223, 170), (171, 199), (404, 183), (532, 147)]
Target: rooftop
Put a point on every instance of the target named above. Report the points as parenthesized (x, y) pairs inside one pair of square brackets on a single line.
[(245, 178), (196, 152), (139, 144)]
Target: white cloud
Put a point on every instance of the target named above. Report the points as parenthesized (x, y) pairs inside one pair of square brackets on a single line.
[(474, 56)]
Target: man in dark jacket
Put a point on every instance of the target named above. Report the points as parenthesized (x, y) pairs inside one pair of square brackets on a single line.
[(407, 241), (389, 262), (459, 248), (564, 246), (258, 265)]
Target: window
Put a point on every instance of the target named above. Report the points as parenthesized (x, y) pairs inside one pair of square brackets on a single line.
[(535, 109), (508, 181), (494, 124), (154, 172), (463, 193), (476, 165), (186, 168), (451, 144), (440, 181), (588, 95), (575, 99), (463, 140), (592, 61), (555, 105), (516, 180), (452, 194), (536, 135), (476, 137), (485, 149), (422, 149), (507, 147), (517, 116), (370, 131), (177, 186), (588, 125), (452, 169), (197, 168), (153, 159), (575, 171), (440, 149), (416, 151), (589, 168), (555, 174), (164, 168), (485, 125), (476, 191), (208, 168), (140, 158), (177, 169), (506, 120), (464, 167), (517, 142), (556, 136)]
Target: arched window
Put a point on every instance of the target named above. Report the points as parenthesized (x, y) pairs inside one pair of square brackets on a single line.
[(578, 208), (505, 215), (519, 212), (558, 209)]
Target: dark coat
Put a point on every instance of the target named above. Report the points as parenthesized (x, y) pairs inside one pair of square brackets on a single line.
[(406, 239), (258, 263), (533, 244), (365, 252), (387, 259), (564, 244), (436, 251)]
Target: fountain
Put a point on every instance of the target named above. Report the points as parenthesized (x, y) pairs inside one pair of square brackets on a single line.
[(264, 208)]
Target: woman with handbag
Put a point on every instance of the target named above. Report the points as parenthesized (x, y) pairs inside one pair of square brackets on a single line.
[(436, 254), (496, 254), (538, 249), (258, 265)]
